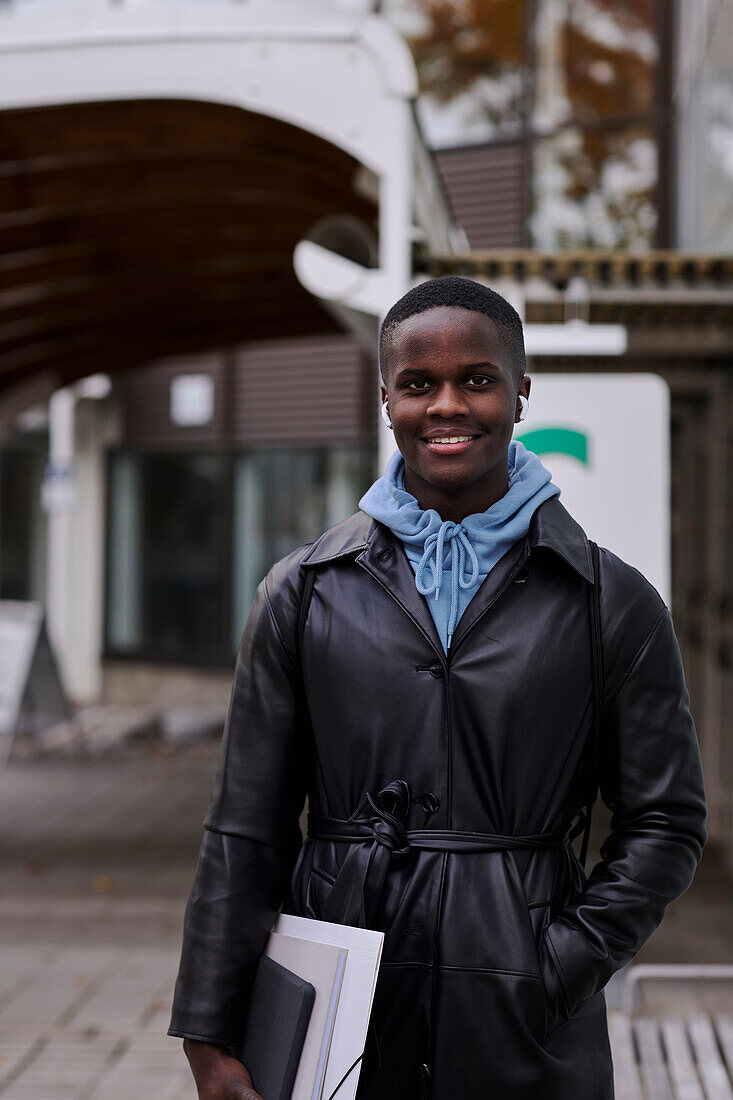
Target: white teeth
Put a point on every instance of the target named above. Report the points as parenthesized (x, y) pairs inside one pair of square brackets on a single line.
[(453, 439)]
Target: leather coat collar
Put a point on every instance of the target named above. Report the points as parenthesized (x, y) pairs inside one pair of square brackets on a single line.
[(551, 526), (376, 549)]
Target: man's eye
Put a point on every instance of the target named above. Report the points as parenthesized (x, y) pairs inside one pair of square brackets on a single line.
[(480, 379), (418, 382)]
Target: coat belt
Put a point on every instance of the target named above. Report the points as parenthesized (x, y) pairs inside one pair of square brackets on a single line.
[(380, 839)]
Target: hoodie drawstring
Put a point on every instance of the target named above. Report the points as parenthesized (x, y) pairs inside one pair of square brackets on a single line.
[(460, 549)]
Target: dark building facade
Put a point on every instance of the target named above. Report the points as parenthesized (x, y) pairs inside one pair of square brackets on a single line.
[(197, 513)]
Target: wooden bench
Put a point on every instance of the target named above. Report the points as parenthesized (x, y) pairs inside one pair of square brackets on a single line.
[(672, 1037)]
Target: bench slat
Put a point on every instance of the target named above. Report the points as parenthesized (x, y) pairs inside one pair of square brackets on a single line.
[(709, 1063), (685, 1081), (626, 1080), (651, 1056), (724, 1028)]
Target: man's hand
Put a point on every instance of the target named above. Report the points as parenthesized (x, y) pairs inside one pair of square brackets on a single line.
[(218, 1076)]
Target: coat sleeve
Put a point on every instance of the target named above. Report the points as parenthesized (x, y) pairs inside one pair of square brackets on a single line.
[(651, 780), (251, 831)]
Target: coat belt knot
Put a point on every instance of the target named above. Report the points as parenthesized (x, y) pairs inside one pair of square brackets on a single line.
[(378, 839), (389, 813)]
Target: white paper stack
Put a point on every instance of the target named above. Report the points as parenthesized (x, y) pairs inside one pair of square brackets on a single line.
[(342, 963)]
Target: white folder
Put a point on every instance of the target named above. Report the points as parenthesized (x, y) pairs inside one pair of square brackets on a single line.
[(345, 1011)]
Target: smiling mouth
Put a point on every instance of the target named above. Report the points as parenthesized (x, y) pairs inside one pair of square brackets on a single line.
[(449, 444), (449, 438)]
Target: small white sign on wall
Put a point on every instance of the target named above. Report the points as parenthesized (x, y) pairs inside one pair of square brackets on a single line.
[(58, 487), (192, 400), (606, 441)]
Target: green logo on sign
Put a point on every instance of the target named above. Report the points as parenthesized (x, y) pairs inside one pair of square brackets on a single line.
[(559, 441)]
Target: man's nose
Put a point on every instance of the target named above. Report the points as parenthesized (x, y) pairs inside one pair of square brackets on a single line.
[(448, 401)]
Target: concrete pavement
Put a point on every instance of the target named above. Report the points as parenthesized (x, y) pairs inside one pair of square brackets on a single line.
[(97, 861)]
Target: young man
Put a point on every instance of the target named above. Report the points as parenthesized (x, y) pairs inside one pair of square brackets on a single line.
[(439, 709)]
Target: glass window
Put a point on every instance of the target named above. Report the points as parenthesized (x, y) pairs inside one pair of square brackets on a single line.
[(704, 139), (22, 522), (577, 83), (189, 543), (594, 59), (283, 498), (167, 572), (595, 188), (470, 60)]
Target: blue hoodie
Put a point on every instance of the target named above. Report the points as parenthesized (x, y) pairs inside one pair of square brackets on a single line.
[(451, 560)]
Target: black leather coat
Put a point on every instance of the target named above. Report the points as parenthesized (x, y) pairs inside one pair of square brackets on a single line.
[(494, 962)]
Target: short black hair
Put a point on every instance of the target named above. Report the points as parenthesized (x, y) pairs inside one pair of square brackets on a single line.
[(456, 290)]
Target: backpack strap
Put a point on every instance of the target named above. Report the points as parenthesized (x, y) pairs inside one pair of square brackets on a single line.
[(593, 751), (305, 599)]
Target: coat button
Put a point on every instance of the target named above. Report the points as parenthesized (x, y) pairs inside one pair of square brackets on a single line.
[(436, 669), (522, 576), (430, 802)]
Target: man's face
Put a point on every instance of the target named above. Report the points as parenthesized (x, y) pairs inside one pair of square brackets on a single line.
[(449, 377)]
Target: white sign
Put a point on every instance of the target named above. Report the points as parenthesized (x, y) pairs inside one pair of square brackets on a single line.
[(58, 488), (31, 695), (575, 338), (192, 400), (606, 441)]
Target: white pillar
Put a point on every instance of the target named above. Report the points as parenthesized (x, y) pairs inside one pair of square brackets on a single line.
[(86, 581), (61, 409), (348, 289), (395, 235), (74, 500)]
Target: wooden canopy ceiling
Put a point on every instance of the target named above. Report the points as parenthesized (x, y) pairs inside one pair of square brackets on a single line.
[(133, 230)]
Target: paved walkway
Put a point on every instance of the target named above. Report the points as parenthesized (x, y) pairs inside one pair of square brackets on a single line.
[(101, 851), (97, 861), (88, 1021)]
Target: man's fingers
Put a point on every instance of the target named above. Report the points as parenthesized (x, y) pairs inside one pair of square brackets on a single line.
[(218, 1075), (245, 1089)]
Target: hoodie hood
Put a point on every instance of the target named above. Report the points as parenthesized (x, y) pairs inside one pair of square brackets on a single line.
[(450, 560)]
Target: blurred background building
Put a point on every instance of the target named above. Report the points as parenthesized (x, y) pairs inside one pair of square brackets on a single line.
[(205, 206), (576, 154)]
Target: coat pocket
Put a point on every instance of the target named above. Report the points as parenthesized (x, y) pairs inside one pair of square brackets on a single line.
[(320, 885), (312, 879), (539, 916), (535, 918), (558, 1012), (568, 881)]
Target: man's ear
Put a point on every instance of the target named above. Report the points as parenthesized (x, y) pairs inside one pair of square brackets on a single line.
[(523, 389), (383, 393)]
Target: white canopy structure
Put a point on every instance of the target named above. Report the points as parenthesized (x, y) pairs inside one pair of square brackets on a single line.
[(163, 162)]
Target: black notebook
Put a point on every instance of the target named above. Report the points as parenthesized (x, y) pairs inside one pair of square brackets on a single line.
[(277, 1022)]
